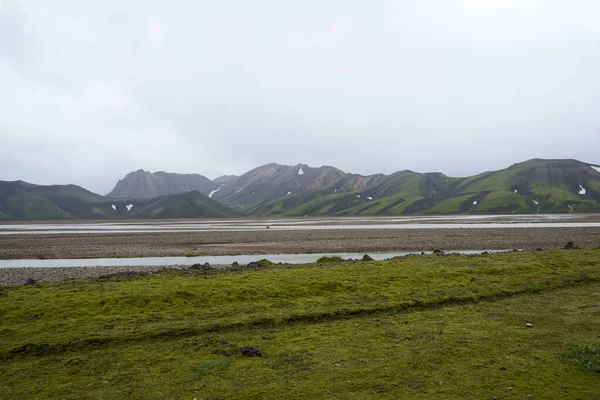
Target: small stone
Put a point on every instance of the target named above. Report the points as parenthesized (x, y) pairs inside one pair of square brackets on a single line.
[(569, 245), (338, 364), (253, 264), (502, 368), (529, 396), (203, 267), (474, 278), (509, 388), (438, 252), (251, 351), (235, 264), (485, 253), (539, 249), (367, 257), (529, 325)]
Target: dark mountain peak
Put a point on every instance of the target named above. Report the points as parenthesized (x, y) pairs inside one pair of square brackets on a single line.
[(142, 184), (225, 179)]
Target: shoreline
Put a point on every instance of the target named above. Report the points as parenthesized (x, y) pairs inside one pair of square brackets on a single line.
[(173, 244)]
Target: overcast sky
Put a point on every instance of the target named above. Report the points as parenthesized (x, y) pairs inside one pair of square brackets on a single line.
[(91, 90)]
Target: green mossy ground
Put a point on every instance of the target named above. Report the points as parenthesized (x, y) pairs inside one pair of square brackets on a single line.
[(416, 328)]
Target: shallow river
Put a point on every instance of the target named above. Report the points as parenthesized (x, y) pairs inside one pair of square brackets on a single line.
[(230, 225), (215, 260)]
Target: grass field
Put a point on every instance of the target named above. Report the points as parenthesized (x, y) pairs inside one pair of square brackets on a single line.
[(420, 327)]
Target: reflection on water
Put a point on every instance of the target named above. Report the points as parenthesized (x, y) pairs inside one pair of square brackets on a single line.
[(215, 260), (237, 225)]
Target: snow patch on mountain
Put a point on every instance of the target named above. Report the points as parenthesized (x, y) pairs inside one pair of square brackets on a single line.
[(210, 195)]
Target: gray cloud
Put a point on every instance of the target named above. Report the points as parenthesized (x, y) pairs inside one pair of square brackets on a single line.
[(92, 90)]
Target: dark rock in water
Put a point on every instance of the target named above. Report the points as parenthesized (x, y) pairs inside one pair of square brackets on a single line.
[(569, 245), (485, 253), (422, 253), (253, 264), (438, 252), (235, 264), (268, 227), (251, 351), (367, 257), (30, 281)]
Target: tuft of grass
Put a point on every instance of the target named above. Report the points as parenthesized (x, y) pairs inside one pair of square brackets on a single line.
[(586, 357), (210, 367), (330, 259)]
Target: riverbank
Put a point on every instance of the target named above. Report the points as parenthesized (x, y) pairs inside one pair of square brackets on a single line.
[(108, 245)]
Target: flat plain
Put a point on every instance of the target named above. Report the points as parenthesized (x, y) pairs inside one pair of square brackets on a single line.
[(513, 325), (415, 327)]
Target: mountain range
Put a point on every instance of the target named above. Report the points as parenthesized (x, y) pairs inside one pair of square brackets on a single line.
[(533, 186)]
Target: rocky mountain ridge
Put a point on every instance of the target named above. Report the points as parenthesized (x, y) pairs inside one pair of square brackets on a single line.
[(272, 190)]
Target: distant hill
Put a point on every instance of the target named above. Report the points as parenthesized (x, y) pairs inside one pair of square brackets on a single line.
[(534, 186), (142, 184), (272, 181), (544, 186), (25, 201)]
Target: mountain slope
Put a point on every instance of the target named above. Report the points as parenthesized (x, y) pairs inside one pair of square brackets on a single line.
[(271, 181), (25, 201), (532, 186), (142, 184)]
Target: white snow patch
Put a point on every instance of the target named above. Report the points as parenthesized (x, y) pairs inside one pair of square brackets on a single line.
[(535, 202), (475, 202), (129, 207), (516, 190), (300, 172), (582, 191), (239, 190), (335, 190), (288, 193), (114, 207), (358, 195), (210, 195), (435, 191), (369, 198), (596, 168)]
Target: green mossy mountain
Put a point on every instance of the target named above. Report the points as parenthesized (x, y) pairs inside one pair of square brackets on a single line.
[(534, 186), (28, 202)]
